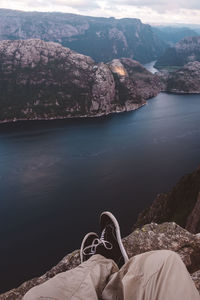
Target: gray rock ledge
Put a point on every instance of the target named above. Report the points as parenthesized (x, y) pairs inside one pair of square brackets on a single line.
[(150, 237)]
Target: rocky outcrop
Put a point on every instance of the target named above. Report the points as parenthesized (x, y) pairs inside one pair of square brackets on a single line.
[(185, 80), (150, 237), (40, 80), (132, 81), (193, 220), (180, 205), (101, 38), (187, 50)]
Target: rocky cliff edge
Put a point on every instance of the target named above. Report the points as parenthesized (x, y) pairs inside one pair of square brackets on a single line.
[(43, 80), (185, 80), (150, 237)]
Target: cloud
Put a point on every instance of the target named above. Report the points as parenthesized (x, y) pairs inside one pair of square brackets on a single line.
[(161, 5), (75, 4), (149, 11)]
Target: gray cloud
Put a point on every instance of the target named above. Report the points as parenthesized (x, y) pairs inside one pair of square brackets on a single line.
[(149, 11), (76, 4), (156, 5), (160, 5)]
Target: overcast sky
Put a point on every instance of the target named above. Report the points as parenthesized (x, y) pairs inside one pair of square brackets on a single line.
[(149, 11)]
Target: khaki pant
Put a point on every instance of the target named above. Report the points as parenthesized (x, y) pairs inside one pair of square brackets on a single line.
[(155, 275)]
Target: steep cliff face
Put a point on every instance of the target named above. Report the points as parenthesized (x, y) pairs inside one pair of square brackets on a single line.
[(181, 205), (151, 237), (187, 50), (101, 38), (40, 80), (185, 80)]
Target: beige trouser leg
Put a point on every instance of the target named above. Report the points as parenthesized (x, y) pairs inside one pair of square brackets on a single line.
[(155, 275), (85, 282)]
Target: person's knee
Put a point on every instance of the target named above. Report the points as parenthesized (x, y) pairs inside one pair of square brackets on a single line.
[(169, 257), (29, 295), (155, 260), (166, 254)]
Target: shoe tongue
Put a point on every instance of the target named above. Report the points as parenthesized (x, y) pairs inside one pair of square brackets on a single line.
[(110, 233), (103, 251), (103, 234)]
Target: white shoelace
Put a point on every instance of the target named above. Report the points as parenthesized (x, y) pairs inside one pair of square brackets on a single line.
[(96, 242)]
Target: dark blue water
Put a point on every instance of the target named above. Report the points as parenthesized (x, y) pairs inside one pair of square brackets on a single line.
[(57, 176)]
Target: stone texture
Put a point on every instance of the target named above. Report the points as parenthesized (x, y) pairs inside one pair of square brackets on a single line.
[(193, 219), (185, 51), (196, 278), (186, 80), (166, 236), (150, 237), (43, 80)]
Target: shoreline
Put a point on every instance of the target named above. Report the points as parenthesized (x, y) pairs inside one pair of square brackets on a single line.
[(106, 120), (75, 117), (182, 92), (103, 114)]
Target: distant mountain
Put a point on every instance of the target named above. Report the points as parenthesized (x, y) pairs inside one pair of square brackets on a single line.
[(43, 80), (185, 51), (172, 35), (101, 38)]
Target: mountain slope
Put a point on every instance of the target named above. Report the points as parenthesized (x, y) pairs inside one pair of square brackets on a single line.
[(43, 80), (185, 51), (172, 35), (181, 205), (101, 38), (186, 80)]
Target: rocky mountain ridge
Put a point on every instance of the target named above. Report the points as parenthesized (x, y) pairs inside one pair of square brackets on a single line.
[(103, 39), (150, 237), (180, 205), (172, 35), (43, 80), (187, 50), (185, 80)]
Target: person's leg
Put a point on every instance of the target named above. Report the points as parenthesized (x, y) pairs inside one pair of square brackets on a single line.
[(155, 275), (84, 282), (88, 280)]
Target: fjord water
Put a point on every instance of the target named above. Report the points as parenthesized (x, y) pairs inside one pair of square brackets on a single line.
[(57, 176), (150, 67)]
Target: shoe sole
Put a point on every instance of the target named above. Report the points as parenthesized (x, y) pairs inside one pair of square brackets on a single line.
[(119, 239), (83, 242)]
